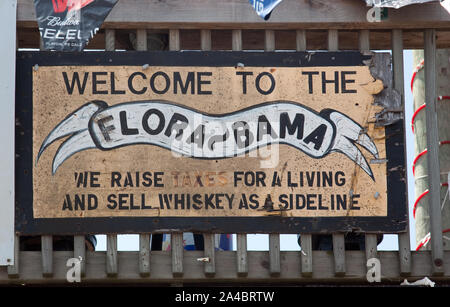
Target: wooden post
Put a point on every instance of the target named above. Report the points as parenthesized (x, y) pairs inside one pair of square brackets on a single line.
[(437, 254), (144, 255), (209, 238), (14, 270), (79, 251), (305, 239), (306, 255), (177, 254), (176, 239), (404, 245), (111, 240), (370, 239), (241, 244), (274, 238), (338, 238), (111, 256), (47, 256), (144, 239)]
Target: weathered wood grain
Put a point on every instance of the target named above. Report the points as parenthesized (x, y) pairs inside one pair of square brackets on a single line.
[(161, 269), (434, 198), (234, 14)]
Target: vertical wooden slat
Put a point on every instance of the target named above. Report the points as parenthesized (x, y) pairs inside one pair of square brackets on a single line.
[(404, 245), (177, 254), (111, 240), (305, 239), (371, 239), (141, 40), (205, 40), (241, 244), (144, 255), (176, 238), (338, 239), (274, 238), (174, 40), (333, 40), (47, 256), (110, 39), (46, 241), (144, 239), (301, 40), (339, 254), (111, 255), (274, 254), (242, 257), (437, 252), (371, 246), (14, 270), (79, 251), (210, 265), (236, 40), (269, 43), (306, 255)]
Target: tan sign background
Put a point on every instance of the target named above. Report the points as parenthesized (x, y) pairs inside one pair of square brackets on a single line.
[(222, 187)]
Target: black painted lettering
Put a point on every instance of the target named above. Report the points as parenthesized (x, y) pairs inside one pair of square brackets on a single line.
[(67, 205), (354, 202), (158, 179), (106, 129), (339, 178), (94, 179), (242, 134), (115, 179), (113, 86), (178, 122), (258, 85), (244, 75), (325, 81), (70, 84), (161, 122), (344, 82), (201, 82), (264, 127), (189, 83), (96, 82), (130, 83), (166, 81), (316, 136), (124, 125), (291, 127), (197, 137), (310, 79), (112, 203)]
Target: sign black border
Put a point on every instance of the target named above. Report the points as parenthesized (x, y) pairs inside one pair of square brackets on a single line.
[(396, 221)]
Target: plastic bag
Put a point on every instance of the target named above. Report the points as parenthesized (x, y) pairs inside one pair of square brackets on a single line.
[(264, 7), (394, 3)]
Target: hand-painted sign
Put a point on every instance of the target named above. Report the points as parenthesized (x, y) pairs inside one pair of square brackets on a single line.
[(191, 141), (95, 125)]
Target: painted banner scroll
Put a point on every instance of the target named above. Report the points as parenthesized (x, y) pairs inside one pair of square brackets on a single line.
[(215, 141)]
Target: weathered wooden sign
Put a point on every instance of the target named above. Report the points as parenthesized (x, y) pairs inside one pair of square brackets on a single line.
[(216, 141)]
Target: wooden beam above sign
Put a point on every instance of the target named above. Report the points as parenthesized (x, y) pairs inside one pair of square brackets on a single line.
[(254, 39), (231, 14)]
